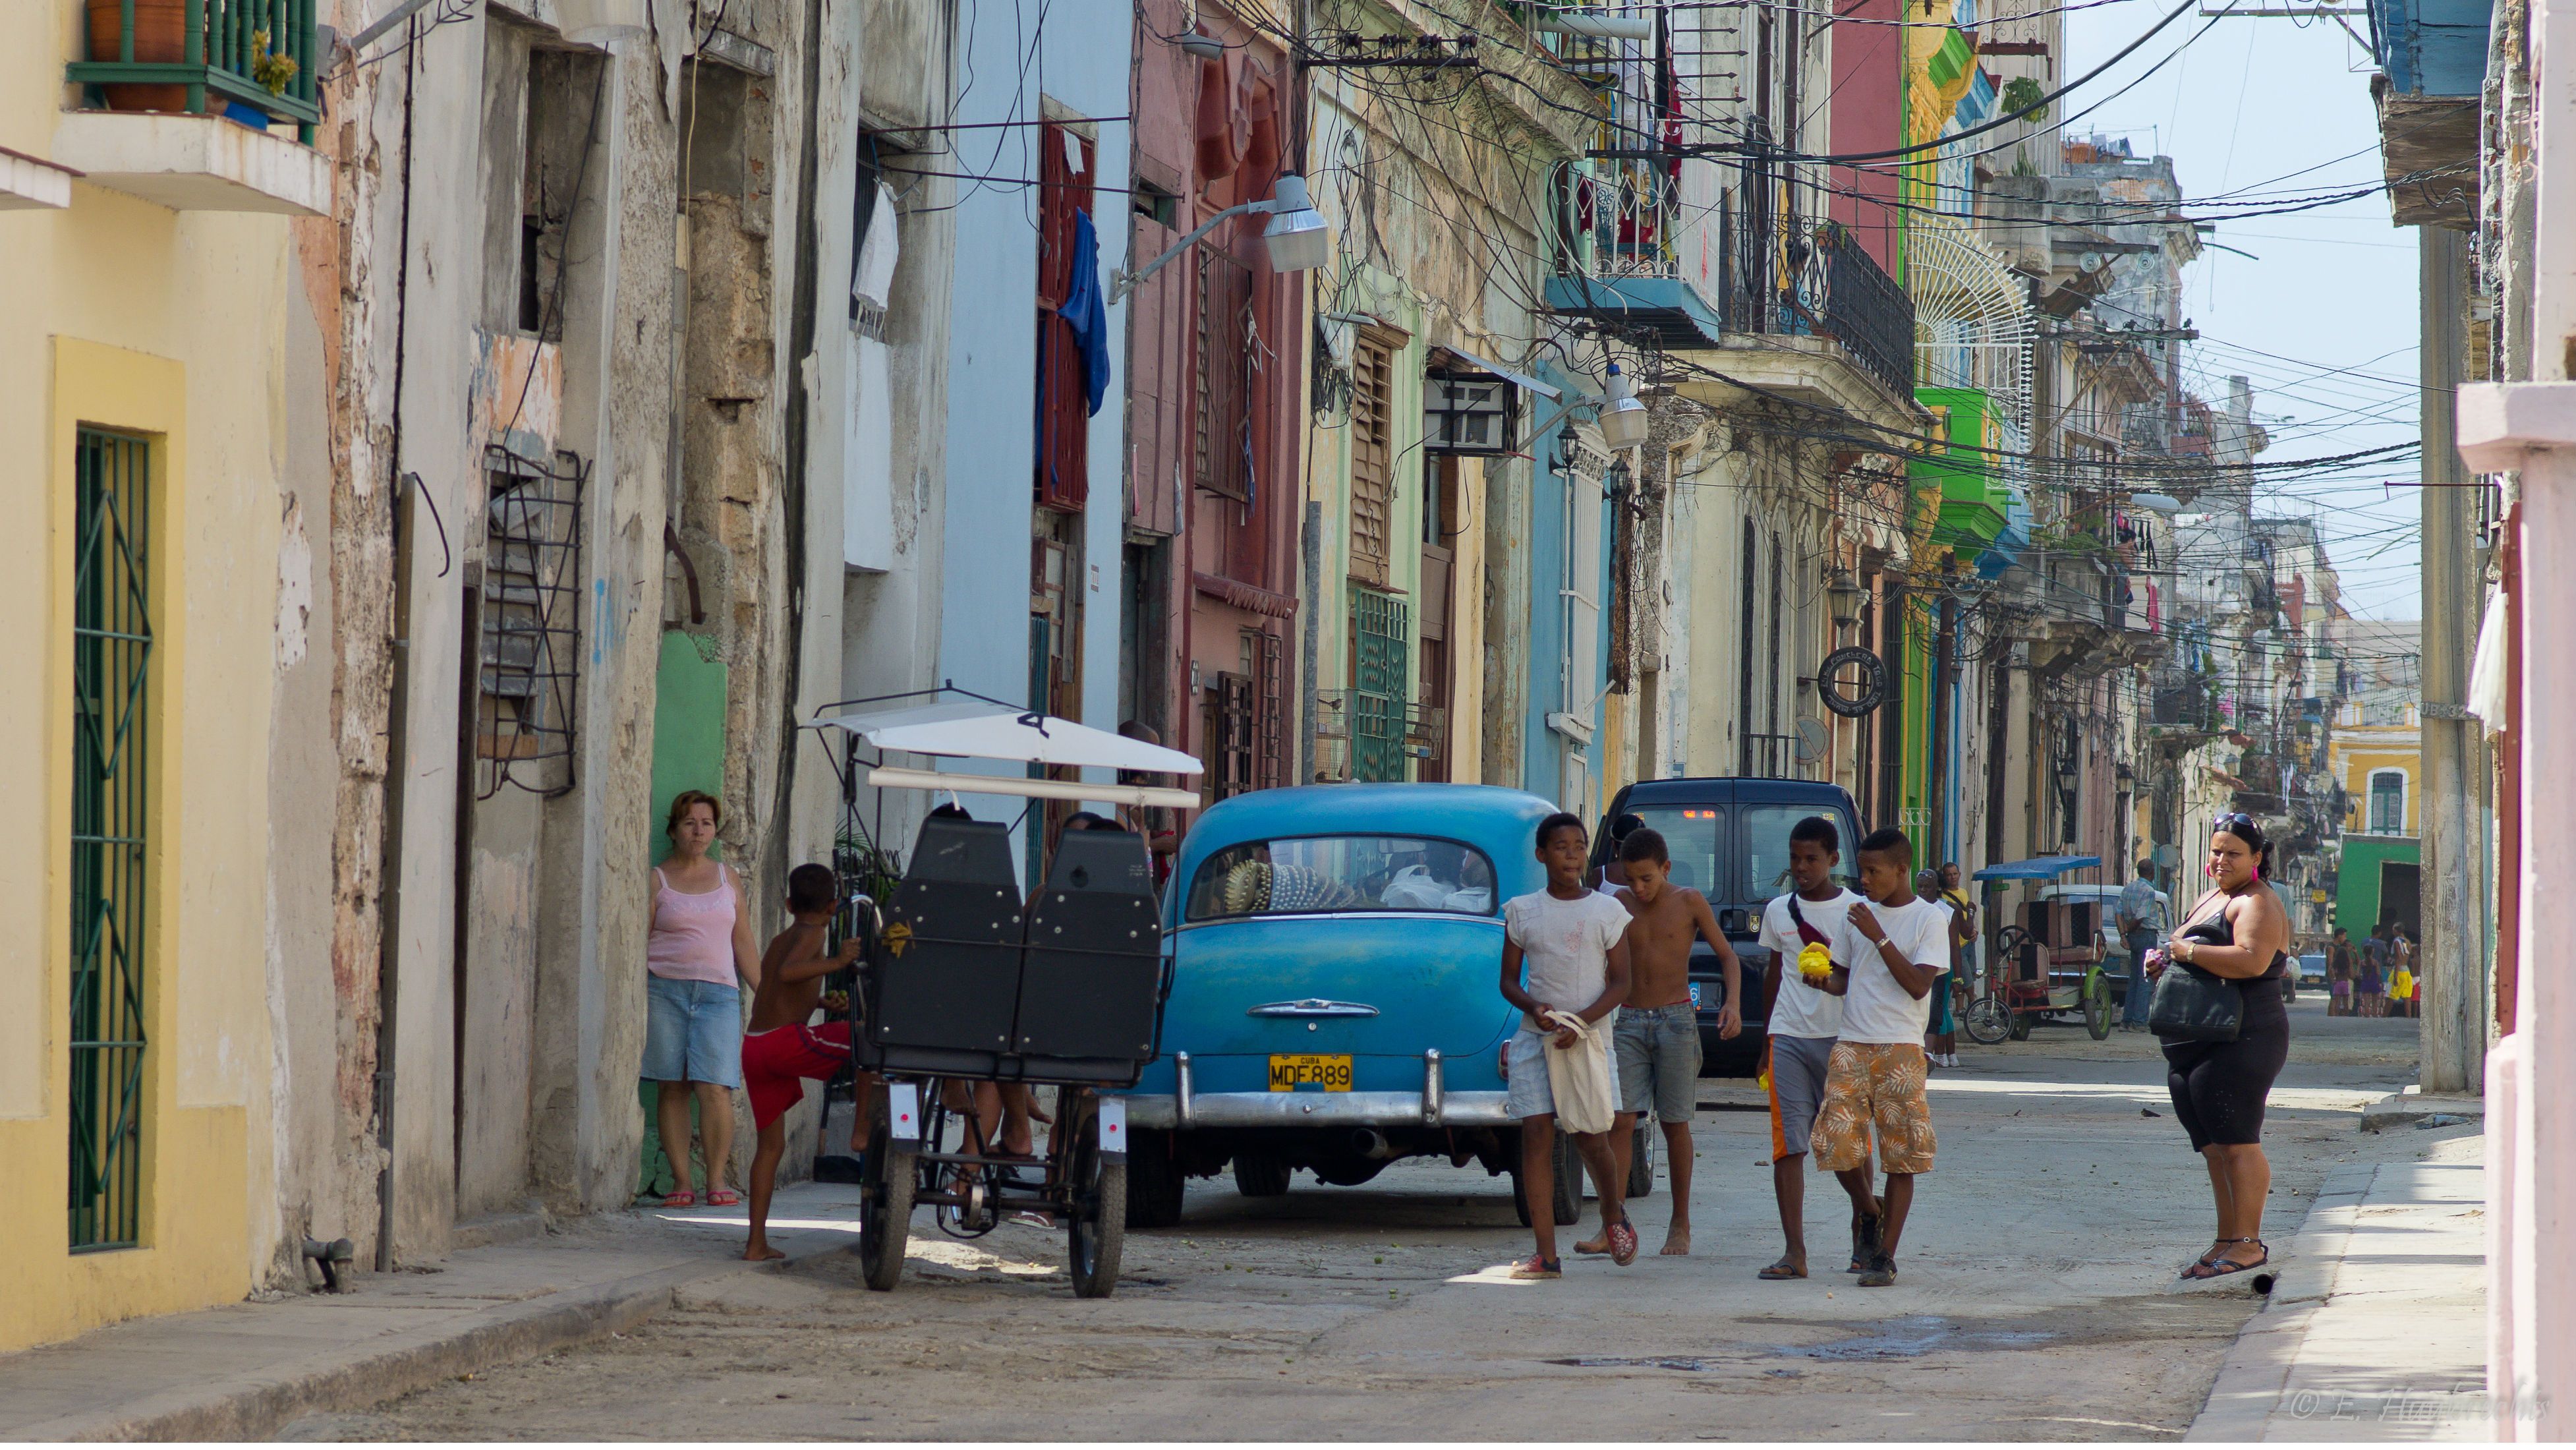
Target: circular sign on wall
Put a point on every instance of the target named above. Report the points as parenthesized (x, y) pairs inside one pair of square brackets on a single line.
[(1851, 681)]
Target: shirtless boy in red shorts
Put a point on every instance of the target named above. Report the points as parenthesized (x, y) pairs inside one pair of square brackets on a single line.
[(782, 1045)]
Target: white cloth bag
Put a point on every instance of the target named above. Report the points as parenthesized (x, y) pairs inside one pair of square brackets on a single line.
[(1579, 1077)]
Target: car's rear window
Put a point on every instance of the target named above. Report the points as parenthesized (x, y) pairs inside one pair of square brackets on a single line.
[(1308, 874)]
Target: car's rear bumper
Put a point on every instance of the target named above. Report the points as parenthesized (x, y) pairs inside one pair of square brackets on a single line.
[(1319, 1110)]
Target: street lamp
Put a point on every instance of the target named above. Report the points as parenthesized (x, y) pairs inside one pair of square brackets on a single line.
[(1296, 236), (1623, 417), (2068, 777), (1845, 596)]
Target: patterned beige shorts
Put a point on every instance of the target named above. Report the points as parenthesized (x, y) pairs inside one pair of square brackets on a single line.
[(1875, 1084)]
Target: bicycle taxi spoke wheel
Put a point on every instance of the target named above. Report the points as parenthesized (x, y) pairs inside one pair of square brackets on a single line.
[(885, 1222), (1096, 1223), (1987, 1021)]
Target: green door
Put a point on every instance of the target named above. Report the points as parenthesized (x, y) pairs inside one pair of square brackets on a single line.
[(1380, 627)]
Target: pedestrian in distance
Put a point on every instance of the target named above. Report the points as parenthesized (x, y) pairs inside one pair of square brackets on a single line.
[(2371, 992), (2339, 974), (2401, 966), (2137, 913), (1892, 948), (2219, 1089), (1657, 1039), (699, 947), (1954, 891), (1573, 944), (1803, 1019), (1941, 1042), (783, 1045)]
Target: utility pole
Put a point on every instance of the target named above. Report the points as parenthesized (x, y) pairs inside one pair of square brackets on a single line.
[(2447, 815)]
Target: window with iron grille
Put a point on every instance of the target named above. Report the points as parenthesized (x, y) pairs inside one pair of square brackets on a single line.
[(1372, 459), (113, 716), (529, 616), (1380, 631), (1233, 708)]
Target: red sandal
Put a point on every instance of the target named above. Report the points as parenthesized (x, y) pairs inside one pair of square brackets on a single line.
[(722, 1198), (683, 1198)]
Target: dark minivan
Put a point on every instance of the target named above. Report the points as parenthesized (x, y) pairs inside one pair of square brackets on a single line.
[(1729, 838)]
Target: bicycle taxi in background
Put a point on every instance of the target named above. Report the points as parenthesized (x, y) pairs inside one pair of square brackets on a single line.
[(967, 980), (2049, 957)]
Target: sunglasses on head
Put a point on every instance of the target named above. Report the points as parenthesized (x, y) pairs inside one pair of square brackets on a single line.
[(2237, 818)]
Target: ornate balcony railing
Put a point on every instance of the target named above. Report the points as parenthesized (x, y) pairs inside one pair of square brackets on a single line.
[(204, 57), (1789, 276)]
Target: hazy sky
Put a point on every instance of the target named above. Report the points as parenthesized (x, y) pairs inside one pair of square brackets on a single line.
[(2324, 322)]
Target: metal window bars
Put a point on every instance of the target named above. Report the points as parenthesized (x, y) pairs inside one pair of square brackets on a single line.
[(110, 836), (530, 650)]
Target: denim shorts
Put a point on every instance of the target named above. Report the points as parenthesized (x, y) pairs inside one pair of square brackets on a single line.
[(692, 1031), (1659, 1061)]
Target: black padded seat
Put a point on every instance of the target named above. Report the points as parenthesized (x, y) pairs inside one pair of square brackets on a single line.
[(945, 978), (1089, 990)]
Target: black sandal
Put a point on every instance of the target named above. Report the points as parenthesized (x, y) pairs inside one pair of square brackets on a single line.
[(1782, 1269), (2220, 1268)]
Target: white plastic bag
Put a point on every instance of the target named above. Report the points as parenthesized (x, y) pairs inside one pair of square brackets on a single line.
[(1413, 889)]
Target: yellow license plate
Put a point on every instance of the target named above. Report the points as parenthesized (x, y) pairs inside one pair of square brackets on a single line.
[(1290, 1071)]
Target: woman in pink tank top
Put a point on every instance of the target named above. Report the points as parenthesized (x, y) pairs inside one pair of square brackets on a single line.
[(700, 948)]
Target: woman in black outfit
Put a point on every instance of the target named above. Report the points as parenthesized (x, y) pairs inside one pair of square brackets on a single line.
[(2240, 932)]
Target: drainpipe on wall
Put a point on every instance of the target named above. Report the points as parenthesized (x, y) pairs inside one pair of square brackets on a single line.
[(1314, 626), (405, 488)]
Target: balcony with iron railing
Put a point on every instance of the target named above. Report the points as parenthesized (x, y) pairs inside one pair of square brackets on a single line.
[(176, 100), (1619, 249), (252, 61)]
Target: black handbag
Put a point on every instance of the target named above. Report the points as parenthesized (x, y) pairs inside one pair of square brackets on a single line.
[(2192, 1005)]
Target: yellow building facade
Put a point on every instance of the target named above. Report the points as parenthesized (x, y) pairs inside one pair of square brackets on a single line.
[(144, 408), (2379, 766)]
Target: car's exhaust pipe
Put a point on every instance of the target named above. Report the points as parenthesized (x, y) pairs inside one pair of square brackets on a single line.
[(1371, 1144)]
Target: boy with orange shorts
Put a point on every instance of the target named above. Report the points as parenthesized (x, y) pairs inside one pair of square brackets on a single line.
[(1890, 951)]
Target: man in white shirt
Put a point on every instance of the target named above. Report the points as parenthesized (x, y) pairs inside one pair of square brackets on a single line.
[(1891, 950), (1800, 928)]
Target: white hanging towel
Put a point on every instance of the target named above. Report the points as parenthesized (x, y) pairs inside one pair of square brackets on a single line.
[(1579, 1077)]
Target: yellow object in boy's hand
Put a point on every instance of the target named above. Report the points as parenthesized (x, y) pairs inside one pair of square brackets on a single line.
[(1815, 963)]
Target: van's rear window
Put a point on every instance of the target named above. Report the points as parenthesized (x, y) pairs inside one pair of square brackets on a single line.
[(1307, 874)]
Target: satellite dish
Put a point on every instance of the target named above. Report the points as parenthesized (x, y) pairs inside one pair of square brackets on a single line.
[(1811, 741)]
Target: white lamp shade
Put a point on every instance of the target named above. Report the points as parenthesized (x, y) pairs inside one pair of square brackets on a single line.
[(1623, 423), (1298, 241)]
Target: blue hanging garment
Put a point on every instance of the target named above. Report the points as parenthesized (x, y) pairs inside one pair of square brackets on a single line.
[(1087, 312)]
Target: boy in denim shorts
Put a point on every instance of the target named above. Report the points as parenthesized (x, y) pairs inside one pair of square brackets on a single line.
[(1573, 943), (1657, 1038)]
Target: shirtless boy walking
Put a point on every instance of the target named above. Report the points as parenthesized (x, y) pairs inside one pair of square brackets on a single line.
[(1657, 1036), (782, 1046)]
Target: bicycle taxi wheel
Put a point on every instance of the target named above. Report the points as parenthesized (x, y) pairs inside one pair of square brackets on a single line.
[(1095, 1221), (885, 1205)]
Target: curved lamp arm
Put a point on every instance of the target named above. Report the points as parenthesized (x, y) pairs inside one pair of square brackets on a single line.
[(1122, 283)]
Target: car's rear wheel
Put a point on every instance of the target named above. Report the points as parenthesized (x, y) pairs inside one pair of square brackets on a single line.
[(1641, 1159), (1258, 1175)]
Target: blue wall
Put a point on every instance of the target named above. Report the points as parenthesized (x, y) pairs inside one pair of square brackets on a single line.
[(2432, 47), (1007, 61)]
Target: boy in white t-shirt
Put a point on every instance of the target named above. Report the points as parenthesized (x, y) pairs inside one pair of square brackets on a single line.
[(1804, 1020), (1573, 941), (1891, 949)]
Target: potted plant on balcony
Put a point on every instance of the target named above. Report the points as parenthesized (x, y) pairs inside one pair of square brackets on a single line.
[(160, 38)]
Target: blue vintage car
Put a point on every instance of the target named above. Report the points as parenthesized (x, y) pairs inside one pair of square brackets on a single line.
[(1334, 1002)]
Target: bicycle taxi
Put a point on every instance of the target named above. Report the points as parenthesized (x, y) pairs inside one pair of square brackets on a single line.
[(964, 980), (2048, 957)]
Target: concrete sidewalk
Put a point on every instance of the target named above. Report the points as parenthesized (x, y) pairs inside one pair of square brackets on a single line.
[(246, 1370), (2376, 1329)]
